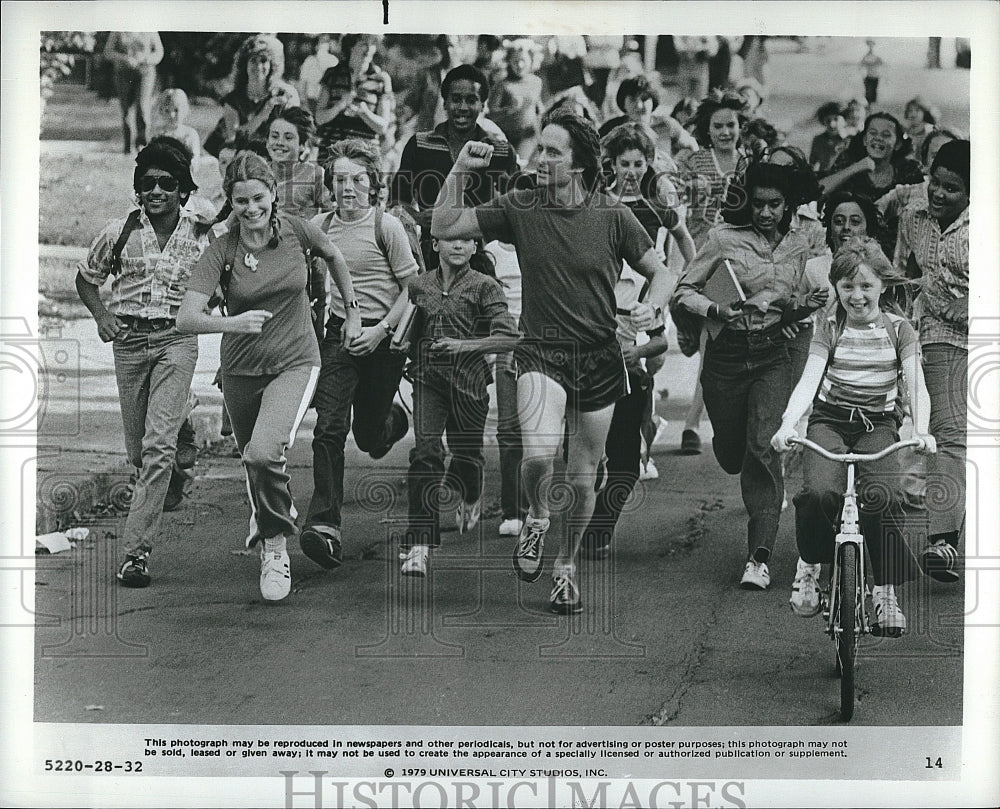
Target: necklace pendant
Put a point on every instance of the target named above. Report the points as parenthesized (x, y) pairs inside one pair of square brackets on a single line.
[(251, 261)]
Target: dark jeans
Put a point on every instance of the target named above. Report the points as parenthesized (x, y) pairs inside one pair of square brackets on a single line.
[(747, 379), (623, 450), (436, 413), (878, 484), (365, 384), (513, 500)]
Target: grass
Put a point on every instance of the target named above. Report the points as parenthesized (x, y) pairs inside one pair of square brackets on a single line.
[(85, 179)]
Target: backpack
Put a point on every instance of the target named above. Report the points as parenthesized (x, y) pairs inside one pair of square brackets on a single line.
[(902, 406), (409, 226), (315, 283)]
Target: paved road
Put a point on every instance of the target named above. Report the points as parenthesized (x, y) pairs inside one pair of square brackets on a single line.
[(666, 638)]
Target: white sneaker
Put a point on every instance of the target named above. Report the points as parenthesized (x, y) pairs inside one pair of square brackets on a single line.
[(889, 619), (415, 561), (275, 575), (467, 515), (649, 471), (805, 590), (755, 576), (511, 527)]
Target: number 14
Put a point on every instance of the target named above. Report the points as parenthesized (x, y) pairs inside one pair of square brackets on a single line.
[(933, 763)]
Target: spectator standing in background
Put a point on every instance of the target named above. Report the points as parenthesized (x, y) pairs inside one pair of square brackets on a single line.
[(135, 55), (426, 99), (871, 67), (692, 70), (172, 107), (313, 69), (755, 58), (515, 103)]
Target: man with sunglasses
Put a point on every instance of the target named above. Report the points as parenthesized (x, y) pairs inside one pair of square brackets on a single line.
[(150, 254)]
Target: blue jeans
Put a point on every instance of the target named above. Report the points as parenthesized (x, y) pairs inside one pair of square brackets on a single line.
[(365, 385), (747, 379), (946, 375), (438, 413), (154, 371)]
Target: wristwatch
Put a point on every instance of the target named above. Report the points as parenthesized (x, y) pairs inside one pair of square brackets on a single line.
[(657, 312), (385, 325), (353, 304)]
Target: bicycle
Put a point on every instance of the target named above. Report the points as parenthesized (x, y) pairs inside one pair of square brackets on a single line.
[(846, 617)]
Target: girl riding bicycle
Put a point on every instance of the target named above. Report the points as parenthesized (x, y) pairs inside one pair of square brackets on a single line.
[(852, 380)]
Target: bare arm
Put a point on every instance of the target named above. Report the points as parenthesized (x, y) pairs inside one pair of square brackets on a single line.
[(832, 182), (193, 318), (451, 218), (661, 286), (799, 401), (107, 324)]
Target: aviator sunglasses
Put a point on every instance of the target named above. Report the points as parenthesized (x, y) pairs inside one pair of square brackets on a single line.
[(166, 182)]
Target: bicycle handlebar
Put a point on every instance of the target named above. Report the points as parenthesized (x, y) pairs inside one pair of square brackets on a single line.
[(853, 457)]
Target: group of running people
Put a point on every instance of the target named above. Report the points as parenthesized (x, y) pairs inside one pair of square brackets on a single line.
[(553, 277)]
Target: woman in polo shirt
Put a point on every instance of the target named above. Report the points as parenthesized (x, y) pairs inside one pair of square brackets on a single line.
[(270, 359), (747, 374)]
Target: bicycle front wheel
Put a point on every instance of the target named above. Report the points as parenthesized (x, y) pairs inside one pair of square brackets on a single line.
[(847, 639)]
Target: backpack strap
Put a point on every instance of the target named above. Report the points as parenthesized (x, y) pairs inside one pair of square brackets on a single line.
[(132, 223), (380, 233), (232, 237)]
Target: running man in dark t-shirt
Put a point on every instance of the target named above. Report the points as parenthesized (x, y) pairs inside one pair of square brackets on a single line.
[(571, 239)]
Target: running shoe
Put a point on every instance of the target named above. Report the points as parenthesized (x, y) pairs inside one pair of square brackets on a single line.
[(134, 571), (467, 515), (889, 619), (690, 443), (649, 471), (530, 548), (400, 427), (755, 576), (805, 599), (511, 527), (275, 575), (321, 543), (565, 596), (415, 561), (939, 561)]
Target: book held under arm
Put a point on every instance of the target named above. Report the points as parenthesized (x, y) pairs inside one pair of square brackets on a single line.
[(723, 289)]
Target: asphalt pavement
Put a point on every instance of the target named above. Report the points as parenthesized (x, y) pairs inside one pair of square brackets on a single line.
[(666, 637)]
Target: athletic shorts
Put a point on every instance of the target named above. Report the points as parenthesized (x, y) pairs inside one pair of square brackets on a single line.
[(593, 377)]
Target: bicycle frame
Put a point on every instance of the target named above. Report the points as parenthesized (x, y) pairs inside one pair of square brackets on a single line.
[(850, 532)]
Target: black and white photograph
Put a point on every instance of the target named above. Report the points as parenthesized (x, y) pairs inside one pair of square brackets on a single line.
[(500, 404)]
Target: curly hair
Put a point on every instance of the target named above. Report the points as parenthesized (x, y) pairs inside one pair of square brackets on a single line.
[(258, 43), (737, 209), (584, 144), (711, 104), (170, 155), (362, 152), (806, 186), (247, 166)]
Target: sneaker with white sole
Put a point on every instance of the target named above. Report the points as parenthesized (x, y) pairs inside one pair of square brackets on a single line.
[(755, 576), (889, 619), (939, 561), (415, 561), (467, 515), (805, 598), (530, 548), (565, 596), (511, 527), (649, 471), (134, 571), (275, 574), (322, 544)]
